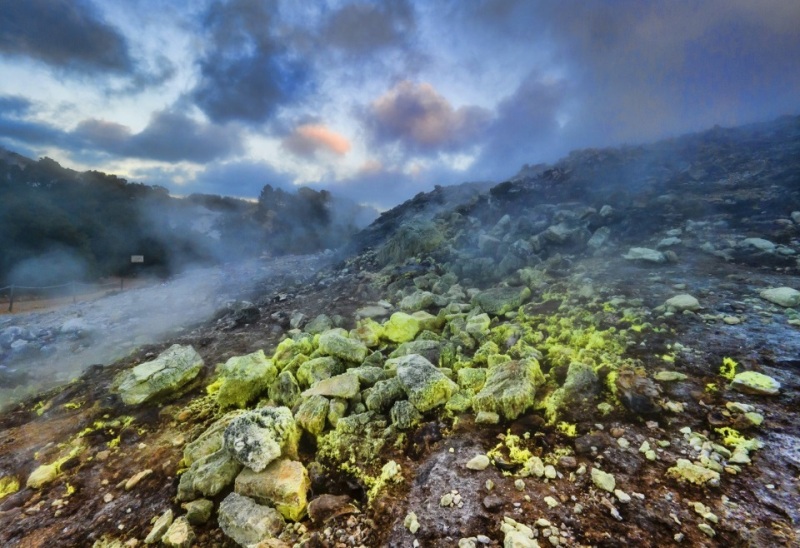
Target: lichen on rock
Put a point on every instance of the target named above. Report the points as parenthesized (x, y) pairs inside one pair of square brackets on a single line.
[(170, 371), (244, 378), (258, 437)]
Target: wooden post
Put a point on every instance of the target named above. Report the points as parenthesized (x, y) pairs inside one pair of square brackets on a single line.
[(11, 299)]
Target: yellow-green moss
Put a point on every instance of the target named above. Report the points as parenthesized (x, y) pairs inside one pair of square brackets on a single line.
[(8, 486), (728, 368), (568, 429)]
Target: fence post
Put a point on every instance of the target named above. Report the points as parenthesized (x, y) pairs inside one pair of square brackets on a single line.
[(11, 299)]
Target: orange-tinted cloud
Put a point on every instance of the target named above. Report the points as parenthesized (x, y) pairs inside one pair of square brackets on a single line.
[(419, 118), (308, 139)]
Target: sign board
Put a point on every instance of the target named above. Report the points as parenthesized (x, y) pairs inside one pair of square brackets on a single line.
[(137, 258)]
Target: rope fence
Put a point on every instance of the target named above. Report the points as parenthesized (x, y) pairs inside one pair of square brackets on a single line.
[(12, 289)]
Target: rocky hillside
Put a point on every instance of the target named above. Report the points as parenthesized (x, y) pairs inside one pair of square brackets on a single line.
[(601, 352)]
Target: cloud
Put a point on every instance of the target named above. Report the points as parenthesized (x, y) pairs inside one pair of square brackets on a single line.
[(66, 34), (308, 139), (170, 136), (364, 27), (419, 119), (247, 72), (13, 105)]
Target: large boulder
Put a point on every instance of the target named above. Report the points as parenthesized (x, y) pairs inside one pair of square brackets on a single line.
[(331, 343), (243, 378), (509, 388), (284, 484), (247, 522), (258, 437), (425, 386), (165, 375), (500, 300)]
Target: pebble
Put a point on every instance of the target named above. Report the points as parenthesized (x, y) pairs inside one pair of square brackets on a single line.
[(519, 485), (551, 502), (622, 496), (108, 497), (134, 481), (478, 462), (707, 529), (550, 472)]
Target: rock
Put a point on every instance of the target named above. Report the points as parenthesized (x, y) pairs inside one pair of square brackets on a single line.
[(603, 480), (312, 414), (500, 300), (577, 395), (332, 343), (622, 496), (430, 350), (493, 503), (796, 216), (401, 327), (419, 300), (372, 311), (297, 319), (198, 511), (404, 415), (368, 375), (208, 475), (368, 332), (284, 484), (751, 382), (159, 527), (668, 242), (247, 522), (471, 379), (341, 386), (510, 388), (599, 238), (682, 302), (687, 471), (284, 390), (42, 475), (326, 507), (179, 535), (318, 325), (170, 371), (244, 378), (782, 296), (209, 441), (487, 417), (637, 392), (380, 397), (258, 437), (478, 326), (411, 523), (134, 480), (646, 255), (425, 386), (478, 462), (760, 244), (317, 369), (669, 376), (517, 535)]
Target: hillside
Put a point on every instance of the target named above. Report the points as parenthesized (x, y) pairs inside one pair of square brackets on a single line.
[(58, 225), (599, 352)]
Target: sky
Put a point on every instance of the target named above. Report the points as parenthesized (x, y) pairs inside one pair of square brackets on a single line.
[(377, 101)]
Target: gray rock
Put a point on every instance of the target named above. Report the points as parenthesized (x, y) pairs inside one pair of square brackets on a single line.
[(751, 382), (380, 397), (430, 350), (318, 325), (317, 369), (782, 296), (159, 527), (796, 216), (153, 380), (258, 437), (326, 507), (668, 242), (208, 476), (644, 254), (284, 390), (499, 300), (332, 343), (368, 375), (425, 386), (682, 302), (198, 511), (247, 522), (419, 300), (577, 396), (760, 244), (510, 388), (244, 378), (404, 415), (599, 238)]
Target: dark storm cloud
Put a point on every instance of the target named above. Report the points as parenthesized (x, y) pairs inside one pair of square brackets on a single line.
[(170, 136), (417, 118), (13, 105), (248, 72), (65, 34), (363, 27)]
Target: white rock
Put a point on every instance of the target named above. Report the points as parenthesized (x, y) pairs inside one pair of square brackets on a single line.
[(645, 254), (682, 302), (759, 243), (478, 462), (782, 296)]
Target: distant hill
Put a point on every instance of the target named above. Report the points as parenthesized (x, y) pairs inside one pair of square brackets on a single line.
[(59, 225)]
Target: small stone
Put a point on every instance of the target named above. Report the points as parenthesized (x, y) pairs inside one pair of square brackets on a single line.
[(42, 475), (669, 376), (751, 382), (108, 497), (478, 462), (731, 320), (519, 485), (550, 472), (487, 417), (603, 480), (551, 502), (707, 529), (680, 303), (411, 523), (623, 443), (159, 527), (622, 496), (134, 481), (179, 535), (198, 511), (446, 500)]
